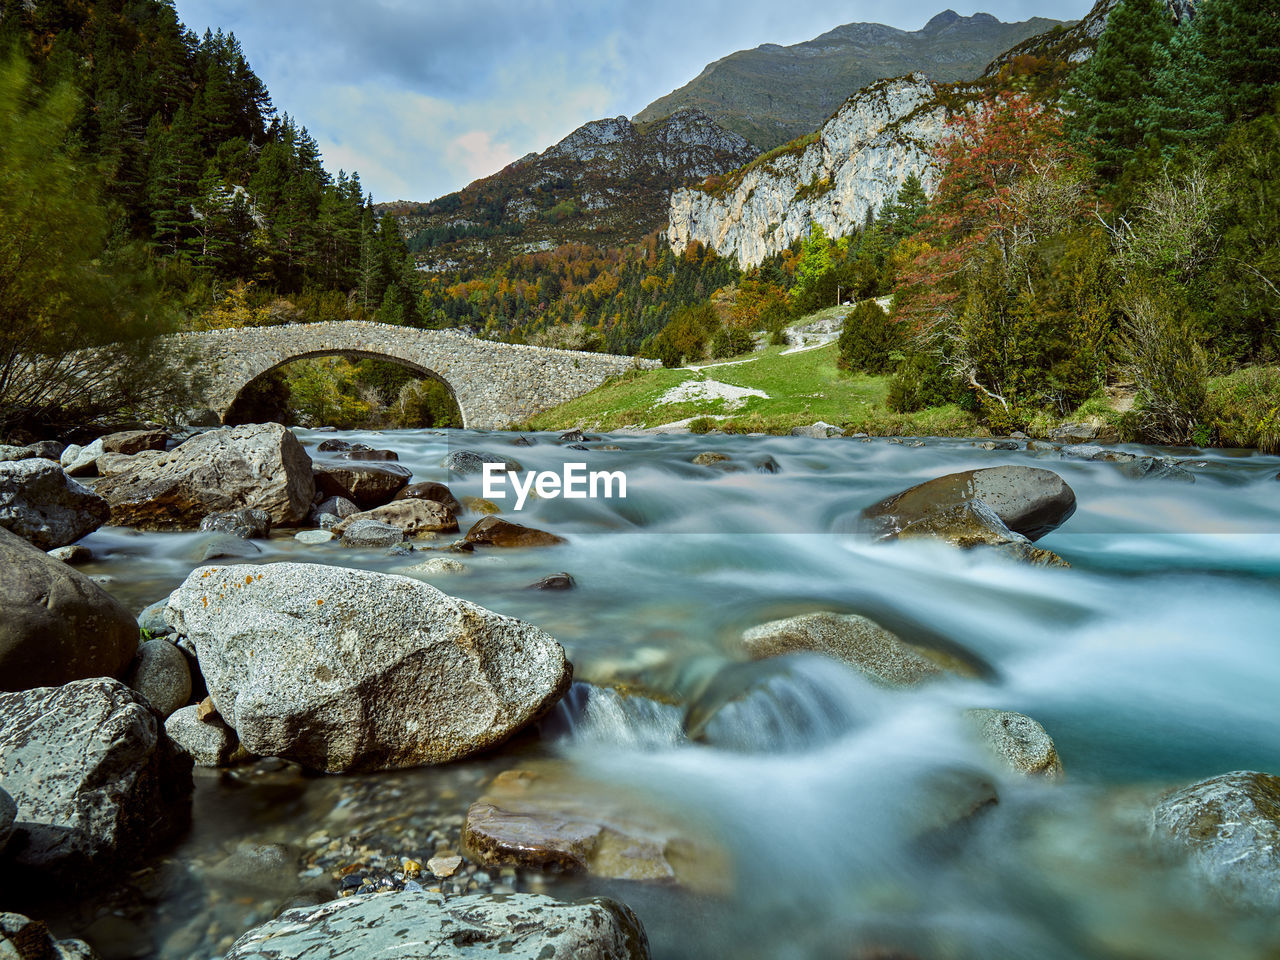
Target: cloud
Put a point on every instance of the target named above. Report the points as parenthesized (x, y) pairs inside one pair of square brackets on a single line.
[(423, 97)]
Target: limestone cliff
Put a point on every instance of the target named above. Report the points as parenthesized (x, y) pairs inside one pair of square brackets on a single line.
[(850, 168)]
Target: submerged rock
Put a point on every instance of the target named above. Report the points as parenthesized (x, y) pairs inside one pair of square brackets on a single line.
[(437, 565), (1230, 827), (465, 463), (557, 581), (975, 525), (413, 517), (367, 485), (880, 655), (95, 778), (58, 625), (40, 503), (348, 669), (417, 925), (544, 818), (260, 466), (1028, 500), (1020, 742), (496, 532), (707, 458)]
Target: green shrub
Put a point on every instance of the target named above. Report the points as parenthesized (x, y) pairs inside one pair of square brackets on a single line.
[(731, 342), (1170, 369), (869, 339), (1244, 409), (918, 383), (702, 425)]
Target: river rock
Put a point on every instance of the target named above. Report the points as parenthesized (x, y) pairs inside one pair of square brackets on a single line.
[(22, 938), (58, 625), (223, 546), (1028, 500), (151, 620), (368, 532), (260, 466), (1074, 433), (81, 461), (10, 452), (414, 517), (348, 669), (708, 457), (94, 776), (557, 581), (313, 538), (437, 565), (160, 673), (134, 441), (1229, 826), (974, 525), (544, 817), (881, 656), (207, 740), (247, 524), (417, 925), (74, 555), (1019, 742), (430, 490), (367, 485), (464, 463), (480, 505), (496, 532), (820, 430), (40, 503), (1156, 468), (338, 507), (8, 813), (112, 463)]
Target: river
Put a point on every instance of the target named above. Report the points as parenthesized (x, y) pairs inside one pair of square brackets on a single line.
[(1151, 662)]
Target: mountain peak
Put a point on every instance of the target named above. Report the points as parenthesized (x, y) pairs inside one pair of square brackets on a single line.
[(943, 19)]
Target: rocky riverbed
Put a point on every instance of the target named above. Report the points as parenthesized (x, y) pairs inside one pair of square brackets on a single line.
[(271, 693)]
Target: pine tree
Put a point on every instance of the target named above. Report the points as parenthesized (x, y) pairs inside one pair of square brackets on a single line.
[(1114, 90)]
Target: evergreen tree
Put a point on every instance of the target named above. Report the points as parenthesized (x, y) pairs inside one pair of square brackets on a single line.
[(1113, 91)]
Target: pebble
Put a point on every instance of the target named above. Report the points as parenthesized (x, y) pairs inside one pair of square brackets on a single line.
[(443, 867)]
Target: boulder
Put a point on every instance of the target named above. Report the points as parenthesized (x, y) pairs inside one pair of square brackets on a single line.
[(367, 485), (80, 461), (881, 656), (207, 740), (8, 813), (430, 490), (256, 466), (353, 670), (464, 463), (414, 517), (1229, 827), (58, 625), (24, 939), (134, 441), (40, 503), (545, 818), (247, 524), (974, 525), (1020, 743), (417, 925), (95, 778), (110, 463), (496, 532), (160, 673), (368, 532), (1028, 500)]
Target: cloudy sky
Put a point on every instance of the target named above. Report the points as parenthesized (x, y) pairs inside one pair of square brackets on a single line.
[(424, 96)]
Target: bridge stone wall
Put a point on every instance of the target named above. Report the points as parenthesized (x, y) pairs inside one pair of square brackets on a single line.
[(495, 384)]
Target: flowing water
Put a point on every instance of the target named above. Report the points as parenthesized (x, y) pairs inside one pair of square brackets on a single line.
[(1151, 662)]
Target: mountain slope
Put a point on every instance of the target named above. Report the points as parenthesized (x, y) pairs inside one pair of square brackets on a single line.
[(608, 182), (773, 94)]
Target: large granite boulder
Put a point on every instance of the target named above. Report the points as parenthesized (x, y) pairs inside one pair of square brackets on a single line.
[(40, 503), (353, 670), (417, 925), (367, 485), (1028, 500), (95, 778), (1229, 826), (257, 466), (58, 625)]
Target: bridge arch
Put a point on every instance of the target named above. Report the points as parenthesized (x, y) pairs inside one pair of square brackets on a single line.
[(494, 384)]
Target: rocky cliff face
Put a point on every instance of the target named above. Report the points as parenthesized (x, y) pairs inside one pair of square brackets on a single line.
[(609, 182), (856, 163)]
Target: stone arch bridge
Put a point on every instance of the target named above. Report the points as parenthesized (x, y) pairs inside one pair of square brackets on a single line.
[(495, 384)]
